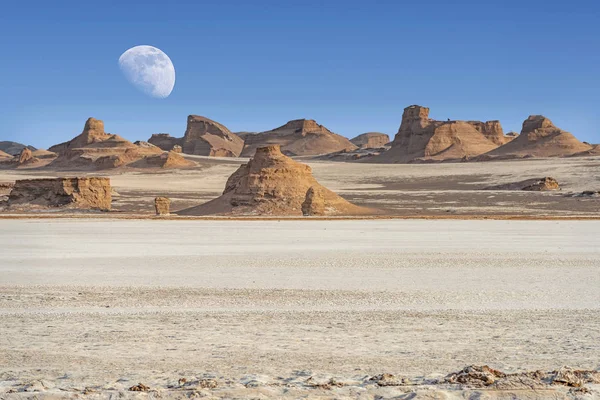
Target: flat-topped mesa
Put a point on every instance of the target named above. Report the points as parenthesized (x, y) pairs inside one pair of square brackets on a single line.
[(299, 137), (274, 184), (540, 138), (206, 137), (421, 138), (77, 193)]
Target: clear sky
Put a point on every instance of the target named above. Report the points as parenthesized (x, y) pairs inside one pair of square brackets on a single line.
[(253, 65)]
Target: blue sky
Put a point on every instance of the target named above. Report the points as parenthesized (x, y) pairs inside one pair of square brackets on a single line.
[(253, 65)]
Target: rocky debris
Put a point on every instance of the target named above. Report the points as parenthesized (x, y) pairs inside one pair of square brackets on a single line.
[(145, 145), (77, 193), (206, 137), (95, 149), (177, 149), (371, 140), (302, 137), (165, 141), (585, 193), (14, 148), (166, 160), (272, 184), (532, 185), (485, 377), (421, 139), (140, 387), (389, 380), (353, 155), (162, 204), (540, 138), (314, 202), (543, 184)]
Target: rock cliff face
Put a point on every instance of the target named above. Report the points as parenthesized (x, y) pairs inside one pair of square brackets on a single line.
[(492, 130), (423, 139), (371, 140), (77, 193), (274, 184), (301, 137), (165, 141), (206, 137), (540, 138)]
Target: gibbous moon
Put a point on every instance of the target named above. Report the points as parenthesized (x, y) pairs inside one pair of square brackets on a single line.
[(149, 69)]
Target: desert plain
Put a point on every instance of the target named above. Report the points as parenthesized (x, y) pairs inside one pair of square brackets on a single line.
[(452, 273)]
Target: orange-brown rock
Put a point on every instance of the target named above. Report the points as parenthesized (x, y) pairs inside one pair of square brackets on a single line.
[(273, 184), (162, 205), (492, 130), (77, 193), (165, 141), (540, 138), (371, 140), (95, 149), (314, 202), (302, 137), (26, 157), (177, 149), (206, 137), (166, 160), (423, 139), (4, 155)]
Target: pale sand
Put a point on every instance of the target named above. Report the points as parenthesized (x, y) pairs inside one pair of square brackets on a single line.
[(260, 306)]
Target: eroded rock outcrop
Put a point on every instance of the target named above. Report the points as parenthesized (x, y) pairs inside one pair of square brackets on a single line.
[(423, 139), (77, 193), (13, 148), (274, 184), (162, 205), (166, 160), (301, 137), (371, 140), (530, 185), (95, 149), (165, 141), (540, 138), (206, 137)]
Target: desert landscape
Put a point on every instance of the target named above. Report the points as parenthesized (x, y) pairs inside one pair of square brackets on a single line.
[(454, 262)]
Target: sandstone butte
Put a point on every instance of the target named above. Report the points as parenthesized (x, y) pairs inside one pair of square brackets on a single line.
[(540, 138), (421, 139), (302, 137), (94, 149), (371, 140), (203, 137), (274, 184), (72, 193)]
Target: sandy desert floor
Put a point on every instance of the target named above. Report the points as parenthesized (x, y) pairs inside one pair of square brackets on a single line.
[(401, 189), (294, 309)]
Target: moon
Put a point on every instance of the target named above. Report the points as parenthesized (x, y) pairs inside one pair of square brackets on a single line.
[(149, 69)]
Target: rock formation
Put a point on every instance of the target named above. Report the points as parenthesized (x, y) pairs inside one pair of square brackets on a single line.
[(540, 138), (423, 139), (166, 160), (531, 185), (302, 137), (26, 157), (78, 193), (95, 149), (14, 148), (274, 184), (177, 149), (492, 130), (162, 204), (206, 137), (371, 140), (165, 141), (203, 137)]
